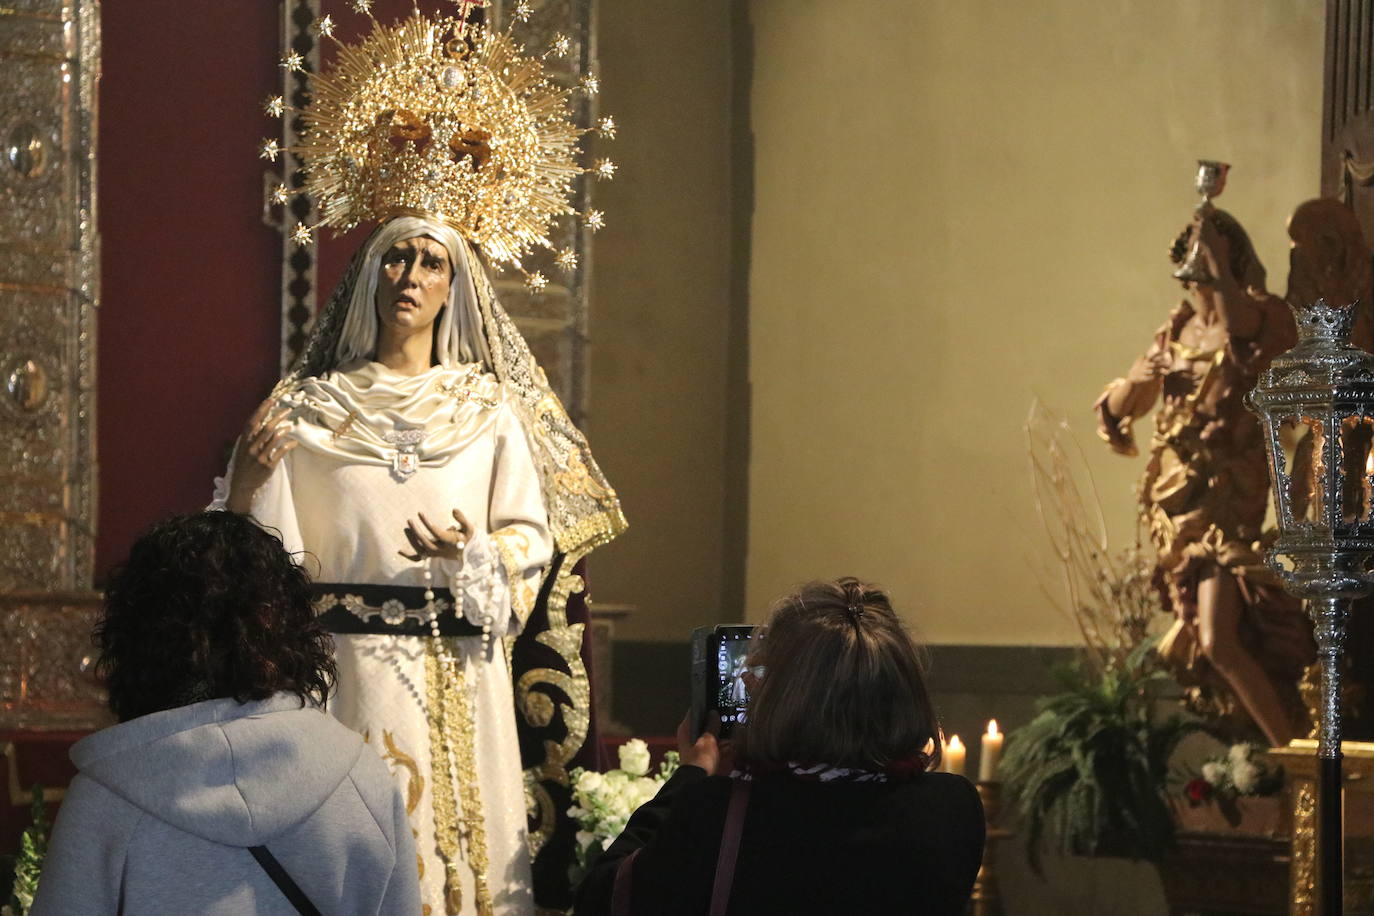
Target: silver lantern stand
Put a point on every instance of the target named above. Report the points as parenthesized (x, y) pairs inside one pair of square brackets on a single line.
[(1317, 404)]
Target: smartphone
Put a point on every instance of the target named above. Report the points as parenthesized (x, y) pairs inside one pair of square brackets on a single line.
[(719, 657)]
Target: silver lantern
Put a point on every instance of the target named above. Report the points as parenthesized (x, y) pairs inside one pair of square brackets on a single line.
[(1317, 405)]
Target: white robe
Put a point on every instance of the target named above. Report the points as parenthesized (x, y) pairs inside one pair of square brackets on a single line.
[(339, 497)]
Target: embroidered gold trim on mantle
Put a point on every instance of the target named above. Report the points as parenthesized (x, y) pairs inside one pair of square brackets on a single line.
[(539, 710)]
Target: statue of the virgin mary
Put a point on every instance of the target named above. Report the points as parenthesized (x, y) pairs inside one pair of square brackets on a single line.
[(416, 453)]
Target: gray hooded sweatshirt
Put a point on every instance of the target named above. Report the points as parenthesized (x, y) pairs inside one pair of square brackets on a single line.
[(159, 818)]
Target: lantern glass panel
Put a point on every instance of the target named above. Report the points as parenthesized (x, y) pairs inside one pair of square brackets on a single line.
[(1302, 438), (1357, 466)]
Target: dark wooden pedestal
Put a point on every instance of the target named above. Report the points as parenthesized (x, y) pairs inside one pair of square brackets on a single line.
[(1227, 874)]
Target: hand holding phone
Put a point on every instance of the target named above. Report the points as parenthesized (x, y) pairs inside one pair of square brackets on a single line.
[(701, 750)]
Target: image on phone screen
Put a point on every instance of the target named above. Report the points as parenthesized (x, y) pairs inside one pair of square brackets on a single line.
[(733, 692)]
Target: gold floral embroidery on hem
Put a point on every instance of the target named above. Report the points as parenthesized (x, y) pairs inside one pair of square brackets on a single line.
[(415, 784)]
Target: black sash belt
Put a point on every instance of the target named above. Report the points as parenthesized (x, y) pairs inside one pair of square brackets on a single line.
[(400, 610)]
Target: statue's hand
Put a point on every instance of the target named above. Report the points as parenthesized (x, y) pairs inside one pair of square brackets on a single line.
[(1120, 440), (1152, 366), (426, 540), (264, 443)]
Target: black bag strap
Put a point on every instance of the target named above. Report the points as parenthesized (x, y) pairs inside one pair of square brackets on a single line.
[(729, 847), (725, 859), (622, 888), (281, 879)]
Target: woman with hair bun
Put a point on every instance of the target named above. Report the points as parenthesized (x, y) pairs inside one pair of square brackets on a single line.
[(829, 804), (224, 776)]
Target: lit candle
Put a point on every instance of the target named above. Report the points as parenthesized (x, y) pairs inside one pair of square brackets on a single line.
[(954, 756), (991, 753)]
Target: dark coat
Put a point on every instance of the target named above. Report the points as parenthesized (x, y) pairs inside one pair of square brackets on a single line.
[(908, 846)]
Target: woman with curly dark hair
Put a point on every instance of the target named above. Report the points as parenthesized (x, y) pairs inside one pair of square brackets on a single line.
[(225, 788), (829, 804)]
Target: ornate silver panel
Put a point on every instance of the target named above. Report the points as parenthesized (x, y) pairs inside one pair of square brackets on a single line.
[(46, 665), (49, 290)]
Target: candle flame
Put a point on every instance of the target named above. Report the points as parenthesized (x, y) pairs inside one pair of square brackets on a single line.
[(954, 743), (1369, 464), (992, 728)]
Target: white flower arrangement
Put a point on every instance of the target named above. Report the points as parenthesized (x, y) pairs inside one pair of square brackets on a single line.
[(1240, 772), (603, 802)]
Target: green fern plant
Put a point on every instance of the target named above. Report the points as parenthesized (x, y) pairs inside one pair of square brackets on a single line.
[(33, 847), (1091, 770)]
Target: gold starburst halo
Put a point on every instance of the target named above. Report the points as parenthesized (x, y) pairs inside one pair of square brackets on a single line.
[(415, 120)]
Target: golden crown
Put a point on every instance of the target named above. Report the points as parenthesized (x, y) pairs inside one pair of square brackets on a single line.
[(440, 117)]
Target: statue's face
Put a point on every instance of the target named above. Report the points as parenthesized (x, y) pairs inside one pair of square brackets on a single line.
[(412, 283)]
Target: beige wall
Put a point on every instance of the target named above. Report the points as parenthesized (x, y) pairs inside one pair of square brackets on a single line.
[(660, 311), (963, 204)]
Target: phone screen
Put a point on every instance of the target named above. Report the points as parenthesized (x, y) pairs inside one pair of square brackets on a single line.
[(732, 692)]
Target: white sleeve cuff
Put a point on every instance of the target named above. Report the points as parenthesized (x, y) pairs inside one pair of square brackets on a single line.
[(480, 586)]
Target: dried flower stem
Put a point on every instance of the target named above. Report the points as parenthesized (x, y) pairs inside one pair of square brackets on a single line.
[(1108, 595)]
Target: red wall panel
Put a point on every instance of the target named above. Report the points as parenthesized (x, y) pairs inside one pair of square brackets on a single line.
[(188, 323)]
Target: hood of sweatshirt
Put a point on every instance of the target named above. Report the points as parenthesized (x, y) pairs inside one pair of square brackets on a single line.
[(233, 773)]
